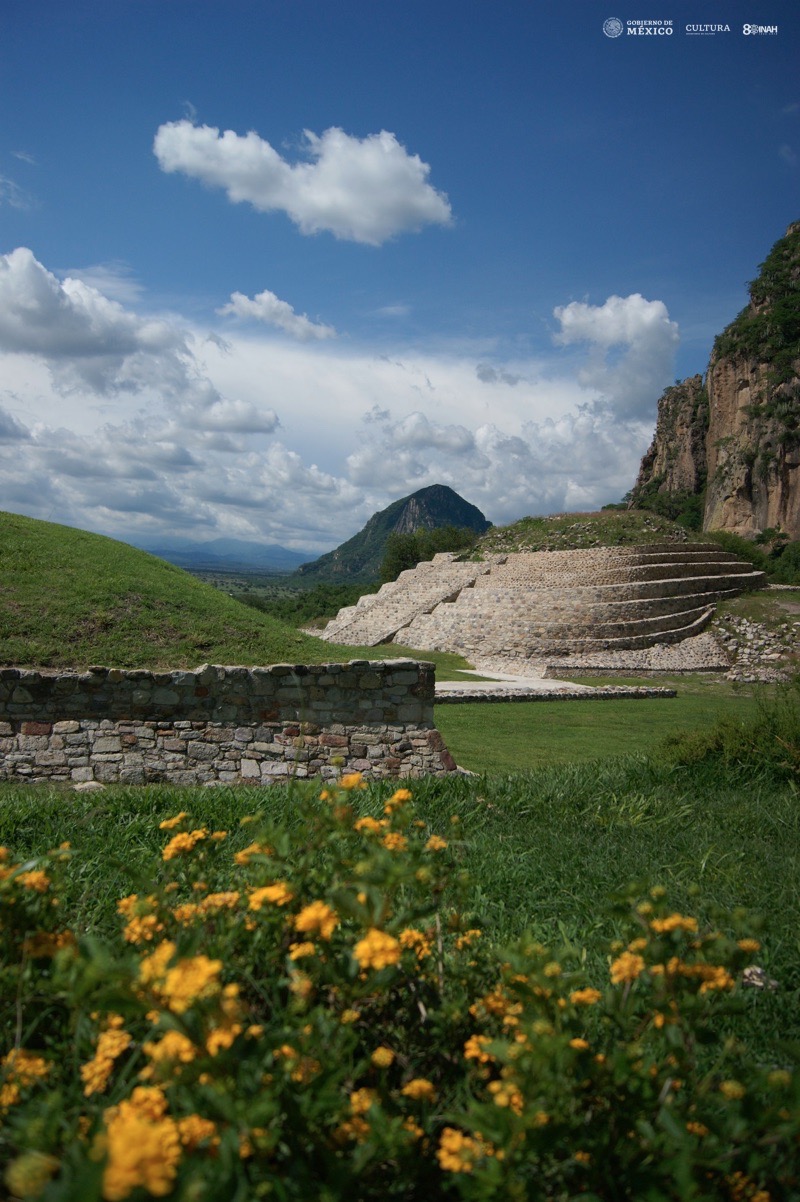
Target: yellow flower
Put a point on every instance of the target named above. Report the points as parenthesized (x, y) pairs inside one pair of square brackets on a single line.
[(140, 1152), (96, 1072), (317, 917), (352, 780), (458, 1152), (749, 945), (436, 843), (36, 880), (361, 1100), (412, 938), (222, 1037), (368, 825), (398, 798), (420, 1090), (395, 841), (377, 950), (190, 980), (21, 1069), (585, 997), (467, 939), (169, 824), (278, 894), (220, 901), (242, 858), (675, 922), (626, 968), (187, 913), (474, 1049), (182, 842), (382, 1057), (349, 1016), (697, 1129), (194, 1130), (173, 1048), (153, 968), (297, 951), (732, 1090), (583, 1157), (580, 1045), (507, 1095)]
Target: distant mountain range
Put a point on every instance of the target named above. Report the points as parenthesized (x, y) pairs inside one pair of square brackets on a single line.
[(225, 555), (359, 559)]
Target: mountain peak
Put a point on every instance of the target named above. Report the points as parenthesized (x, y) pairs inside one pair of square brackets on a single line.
[(360, 557)]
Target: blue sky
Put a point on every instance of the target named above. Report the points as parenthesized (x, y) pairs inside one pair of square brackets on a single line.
[(269, 264)]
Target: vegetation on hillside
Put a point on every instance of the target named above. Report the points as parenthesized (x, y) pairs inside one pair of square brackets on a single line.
[(611, 527), (768, 328)]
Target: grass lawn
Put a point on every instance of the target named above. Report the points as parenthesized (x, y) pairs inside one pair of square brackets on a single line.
[(513, 737)]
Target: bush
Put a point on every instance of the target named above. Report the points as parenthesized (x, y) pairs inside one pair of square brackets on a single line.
[(742, 548), (770, 743), (303, 1016), (786, 569)]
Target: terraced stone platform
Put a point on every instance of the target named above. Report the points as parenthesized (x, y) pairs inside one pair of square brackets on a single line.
[(550, 604)]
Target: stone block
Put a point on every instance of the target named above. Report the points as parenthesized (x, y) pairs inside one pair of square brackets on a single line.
[(106, 743), (196, 750)]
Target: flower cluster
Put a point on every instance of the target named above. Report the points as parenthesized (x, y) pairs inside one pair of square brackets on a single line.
[(320, 1009)]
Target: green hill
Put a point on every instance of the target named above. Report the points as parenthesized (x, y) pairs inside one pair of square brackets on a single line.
[(359, 559), (69, 598)]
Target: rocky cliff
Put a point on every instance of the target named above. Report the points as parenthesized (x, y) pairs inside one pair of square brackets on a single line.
[(736, 437), (676, 460)]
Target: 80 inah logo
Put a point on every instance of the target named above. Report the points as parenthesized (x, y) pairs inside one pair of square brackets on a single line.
[(613, 27)]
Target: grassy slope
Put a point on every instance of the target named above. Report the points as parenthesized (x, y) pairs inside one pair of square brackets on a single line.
[(69, 599)]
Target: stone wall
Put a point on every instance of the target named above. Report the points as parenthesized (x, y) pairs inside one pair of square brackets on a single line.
[(221, 725)]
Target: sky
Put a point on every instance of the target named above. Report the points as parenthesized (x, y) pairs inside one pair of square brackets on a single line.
[(268, 265)]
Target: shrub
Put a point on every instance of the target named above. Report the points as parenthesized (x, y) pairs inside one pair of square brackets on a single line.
[(770, 743), (303, 1016)]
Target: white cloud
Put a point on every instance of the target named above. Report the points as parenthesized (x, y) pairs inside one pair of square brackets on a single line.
[(85, 338), (141, 426), (399, 310), (645, 342), (266, 306), (114, 280), (13, 195), (237, 417), (359, 189)]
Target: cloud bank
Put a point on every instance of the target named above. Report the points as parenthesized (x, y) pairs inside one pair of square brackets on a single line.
[(141, 426), (359, 189)]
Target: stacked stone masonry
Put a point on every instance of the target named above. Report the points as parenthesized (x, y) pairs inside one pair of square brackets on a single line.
[(551, 604), (221, 725)]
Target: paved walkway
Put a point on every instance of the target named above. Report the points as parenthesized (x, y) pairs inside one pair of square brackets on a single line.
[(507, 687)]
